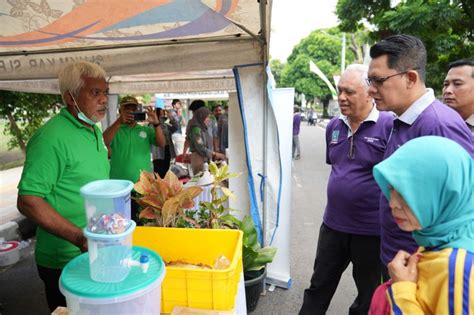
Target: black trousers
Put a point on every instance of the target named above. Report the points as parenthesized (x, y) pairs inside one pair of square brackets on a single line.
[(334, 253), (162, 166), (50, 279)]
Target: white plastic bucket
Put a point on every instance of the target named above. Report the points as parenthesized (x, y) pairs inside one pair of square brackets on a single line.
[(109, 254), (140, 293)]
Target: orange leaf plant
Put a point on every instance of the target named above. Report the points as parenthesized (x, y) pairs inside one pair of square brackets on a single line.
[(164, 200)]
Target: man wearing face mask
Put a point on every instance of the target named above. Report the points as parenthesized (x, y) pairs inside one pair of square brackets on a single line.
[(130, 143), (63, 155)]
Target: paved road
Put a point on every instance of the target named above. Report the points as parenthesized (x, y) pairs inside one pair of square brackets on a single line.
[(21, 291), (310, 176)]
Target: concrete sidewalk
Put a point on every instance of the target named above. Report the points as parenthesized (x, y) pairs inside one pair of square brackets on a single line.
[(8, 193), (13, 225)]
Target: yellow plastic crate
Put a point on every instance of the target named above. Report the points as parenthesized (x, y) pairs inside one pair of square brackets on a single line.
[(196, 288)]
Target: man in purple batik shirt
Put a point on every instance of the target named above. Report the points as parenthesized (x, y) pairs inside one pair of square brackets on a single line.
[(350, 232), (397, 84), (296, 133)]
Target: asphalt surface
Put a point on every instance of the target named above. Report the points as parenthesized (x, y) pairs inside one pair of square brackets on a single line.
[(22, 292), (310, 176)]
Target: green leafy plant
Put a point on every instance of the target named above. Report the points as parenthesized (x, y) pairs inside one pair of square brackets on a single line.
[(254, 256), (167, 203), (214, 214)]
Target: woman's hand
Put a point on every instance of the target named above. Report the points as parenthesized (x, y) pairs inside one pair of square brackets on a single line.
[(403, 267)]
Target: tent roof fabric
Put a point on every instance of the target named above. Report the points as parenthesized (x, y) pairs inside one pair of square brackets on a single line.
[(152, 42), (78, 24)]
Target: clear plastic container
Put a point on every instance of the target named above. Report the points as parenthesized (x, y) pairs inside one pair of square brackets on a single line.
[(109, 254), (139, 293), (107, 197)]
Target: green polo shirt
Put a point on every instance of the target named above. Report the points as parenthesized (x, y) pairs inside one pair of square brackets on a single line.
[(131, 152), (61, 157)]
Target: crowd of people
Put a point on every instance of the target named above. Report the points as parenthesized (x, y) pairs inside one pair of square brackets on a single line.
[(59, 163), (400, 200), (400, 196)]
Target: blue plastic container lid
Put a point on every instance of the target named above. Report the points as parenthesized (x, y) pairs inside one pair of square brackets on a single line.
[(75, 279), (104, 237), (106, 188)]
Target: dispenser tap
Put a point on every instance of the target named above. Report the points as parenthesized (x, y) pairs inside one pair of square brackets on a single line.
[(143, 262)]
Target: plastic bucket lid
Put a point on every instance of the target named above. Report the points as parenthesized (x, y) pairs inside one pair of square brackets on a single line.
[(106, 188), (76, 282), (104, 237)]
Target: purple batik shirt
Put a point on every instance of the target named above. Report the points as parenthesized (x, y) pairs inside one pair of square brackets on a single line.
[(353, 194), (296, 123), (427, 116)]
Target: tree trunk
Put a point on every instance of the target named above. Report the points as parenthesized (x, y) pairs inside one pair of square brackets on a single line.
[(16, 131), (359, 58), (325, 107)]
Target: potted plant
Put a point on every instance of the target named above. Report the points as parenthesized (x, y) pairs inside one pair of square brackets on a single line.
[(254, 259), (163, 201), (214, 213), (167, 203)]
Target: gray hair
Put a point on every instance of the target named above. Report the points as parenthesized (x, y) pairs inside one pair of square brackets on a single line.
[(71, 76), (361, 70)]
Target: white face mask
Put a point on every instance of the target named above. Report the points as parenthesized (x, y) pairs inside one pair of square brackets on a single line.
[(81, 115)]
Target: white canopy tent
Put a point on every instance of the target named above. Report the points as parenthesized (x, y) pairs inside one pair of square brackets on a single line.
[(165, 46)]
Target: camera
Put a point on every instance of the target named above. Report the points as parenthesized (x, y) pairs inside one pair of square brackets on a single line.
[(139, 116)]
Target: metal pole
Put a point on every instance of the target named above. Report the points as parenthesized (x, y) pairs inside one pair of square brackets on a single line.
[(264, 44), (343, 53)]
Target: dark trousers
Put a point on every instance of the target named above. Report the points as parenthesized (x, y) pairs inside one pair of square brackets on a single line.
[(162, 166), (335, 251), (50, 279)]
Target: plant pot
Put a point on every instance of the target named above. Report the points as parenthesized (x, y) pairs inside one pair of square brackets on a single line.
[(254, 285)]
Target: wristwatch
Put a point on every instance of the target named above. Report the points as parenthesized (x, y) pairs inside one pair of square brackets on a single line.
[(156, 125)]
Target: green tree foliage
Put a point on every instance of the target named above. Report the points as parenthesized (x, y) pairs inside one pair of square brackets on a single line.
[(277, 67), (445, 26), (323, 47), (25, 113)]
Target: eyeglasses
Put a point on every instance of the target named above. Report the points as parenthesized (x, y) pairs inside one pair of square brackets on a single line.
[(374, 81), (351, 153)]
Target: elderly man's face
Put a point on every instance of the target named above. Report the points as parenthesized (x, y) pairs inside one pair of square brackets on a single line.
[(458, 89), (353, 98), (388, 93), (93, 98)]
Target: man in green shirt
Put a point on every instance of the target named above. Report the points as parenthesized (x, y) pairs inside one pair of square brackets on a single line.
[(62, 156), (130, 143)]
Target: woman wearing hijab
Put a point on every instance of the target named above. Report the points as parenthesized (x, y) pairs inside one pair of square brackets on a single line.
[(429, 182), (200, 142)]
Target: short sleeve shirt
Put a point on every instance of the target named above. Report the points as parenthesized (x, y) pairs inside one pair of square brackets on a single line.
[(61, 157), (353, 194), (131, 152)]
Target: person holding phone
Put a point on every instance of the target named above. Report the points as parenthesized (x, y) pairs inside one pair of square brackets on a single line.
[(130, 143)]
